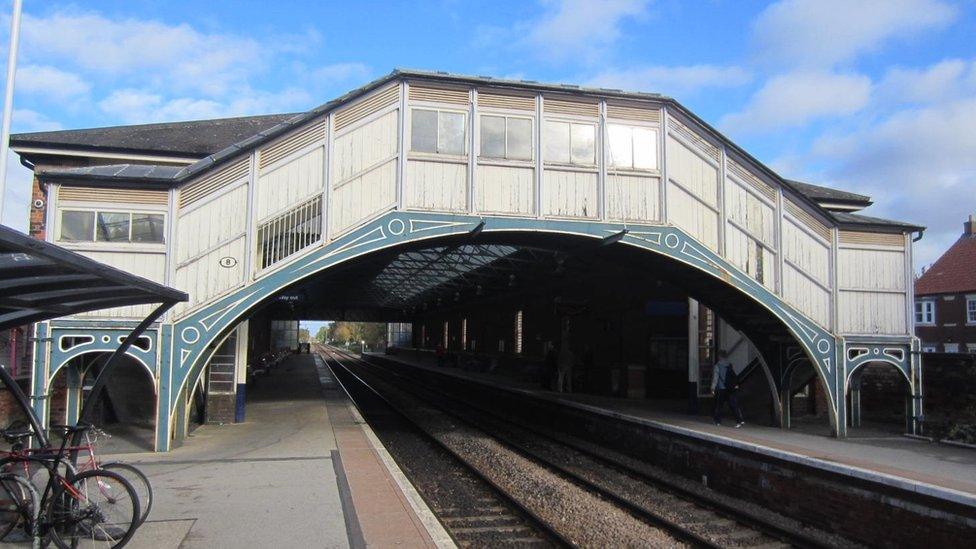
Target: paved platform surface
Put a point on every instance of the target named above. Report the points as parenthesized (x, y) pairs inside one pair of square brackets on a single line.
[(913, 463), (302, 471)]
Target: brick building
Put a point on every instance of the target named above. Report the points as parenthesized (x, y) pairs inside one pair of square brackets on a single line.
[(945, 298)]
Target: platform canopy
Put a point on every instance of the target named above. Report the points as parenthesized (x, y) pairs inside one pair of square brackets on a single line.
[(39, 280)]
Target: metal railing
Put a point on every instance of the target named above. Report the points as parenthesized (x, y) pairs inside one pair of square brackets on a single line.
[(289, 232)]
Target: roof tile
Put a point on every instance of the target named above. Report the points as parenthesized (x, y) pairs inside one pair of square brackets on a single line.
[(954, 272)]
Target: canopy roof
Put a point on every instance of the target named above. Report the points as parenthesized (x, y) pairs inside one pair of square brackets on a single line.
[(39, 280)]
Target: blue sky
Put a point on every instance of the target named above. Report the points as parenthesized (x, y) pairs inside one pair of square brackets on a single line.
[(877, 96)]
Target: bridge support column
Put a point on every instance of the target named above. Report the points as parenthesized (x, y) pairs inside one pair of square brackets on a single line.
[(855, 403), (786, 407), (73, 407), (164, 416), (40, 374)]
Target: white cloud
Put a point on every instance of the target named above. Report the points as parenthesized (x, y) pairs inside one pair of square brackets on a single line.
[(179, 55), (27, 120), (946, 80), (676, 81), (822, 33), (50, 83), (580, 29), (340, 72), (135, 106), (919, 165), (796, 98)]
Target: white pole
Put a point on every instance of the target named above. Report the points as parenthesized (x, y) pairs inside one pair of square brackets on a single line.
[(8, 100)]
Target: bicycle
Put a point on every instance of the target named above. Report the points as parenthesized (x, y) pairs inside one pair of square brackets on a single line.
[(92, 508), (138, 480)]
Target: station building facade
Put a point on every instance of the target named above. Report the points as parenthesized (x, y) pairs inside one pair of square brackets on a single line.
[(402, 199)]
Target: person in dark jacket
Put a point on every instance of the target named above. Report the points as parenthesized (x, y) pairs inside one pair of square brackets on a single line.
[(724, 385)]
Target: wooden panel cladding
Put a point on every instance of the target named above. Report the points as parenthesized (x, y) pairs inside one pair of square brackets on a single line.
[(871, 270), (504, 189), (689, 135), (633, 198), (285, 147), (643, 113), (808, 220), (872, 239), (569, 193), (437, 186), (872, 313), (113, 195), (748, 177), (347, 116), (201, 188), (434, 94), (497, 100), (575, 107)]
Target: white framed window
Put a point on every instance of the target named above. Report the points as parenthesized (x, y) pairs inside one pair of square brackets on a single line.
[(971, 347), (924, 312), (971, 310), (464, 334), (518, 332), (632, 147), (111, 226), (506, 137), (447, 326), (571, 143), (951, 347), (929, 348), (438, 132)]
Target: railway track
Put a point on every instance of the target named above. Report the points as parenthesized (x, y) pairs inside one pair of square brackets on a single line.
[(684, 516), (472, 511)]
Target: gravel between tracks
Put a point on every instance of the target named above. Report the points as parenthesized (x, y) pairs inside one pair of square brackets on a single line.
[(581, 517)]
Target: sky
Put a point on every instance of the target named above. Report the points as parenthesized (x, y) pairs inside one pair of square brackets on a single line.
[(872, 96)]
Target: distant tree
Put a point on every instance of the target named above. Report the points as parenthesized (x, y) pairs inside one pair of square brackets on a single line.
[(373, 333), (323, 334), (303, 335)]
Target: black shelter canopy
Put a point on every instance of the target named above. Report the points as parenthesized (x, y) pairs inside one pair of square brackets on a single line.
[(39, 280)]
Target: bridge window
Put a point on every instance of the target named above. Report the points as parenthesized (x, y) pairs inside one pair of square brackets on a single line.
[(506, 137), (437, 132), (632, 147), (570, 143), (924, 312), (464, 333), (100, 226)]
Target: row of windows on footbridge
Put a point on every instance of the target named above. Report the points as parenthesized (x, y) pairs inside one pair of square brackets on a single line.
[(510, 138)]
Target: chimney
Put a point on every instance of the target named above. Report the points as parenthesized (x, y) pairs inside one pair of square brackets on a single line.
[(969, 227)]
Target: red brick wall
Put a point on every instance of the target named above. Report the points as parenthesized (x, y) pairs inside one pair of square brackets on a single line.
[(38, 216), (950, 324)]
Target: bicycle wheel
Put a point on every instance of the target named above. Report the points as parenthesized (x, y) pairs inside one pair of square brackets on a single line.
[(94, 509), (138, 480), (16, 502)]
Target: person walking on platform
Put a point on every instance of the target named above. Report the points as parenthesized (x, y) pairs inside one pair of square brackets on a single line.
[(724, 385), (564, 378)]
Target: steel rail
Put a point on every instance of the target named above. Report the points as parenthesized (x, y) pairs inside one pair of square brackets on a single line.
[(655, 519), (793, 537), (534, 519)]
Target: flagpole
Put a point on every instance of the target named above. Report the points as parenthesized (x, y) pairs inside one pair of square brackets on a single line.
[(8, 100)]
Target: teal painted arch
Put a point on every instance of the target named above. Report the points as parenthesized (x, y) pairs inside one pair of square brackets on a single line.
[(100, 340), (192, 335), (858, 354)]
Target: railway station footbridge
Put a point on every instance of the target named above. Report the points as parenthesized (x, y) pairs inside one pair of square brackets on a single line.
[(411, 198)]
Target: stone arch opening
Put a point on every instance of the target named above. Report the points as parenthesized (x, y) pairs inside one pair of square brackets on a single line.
[(126, 408), (877, 394)]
